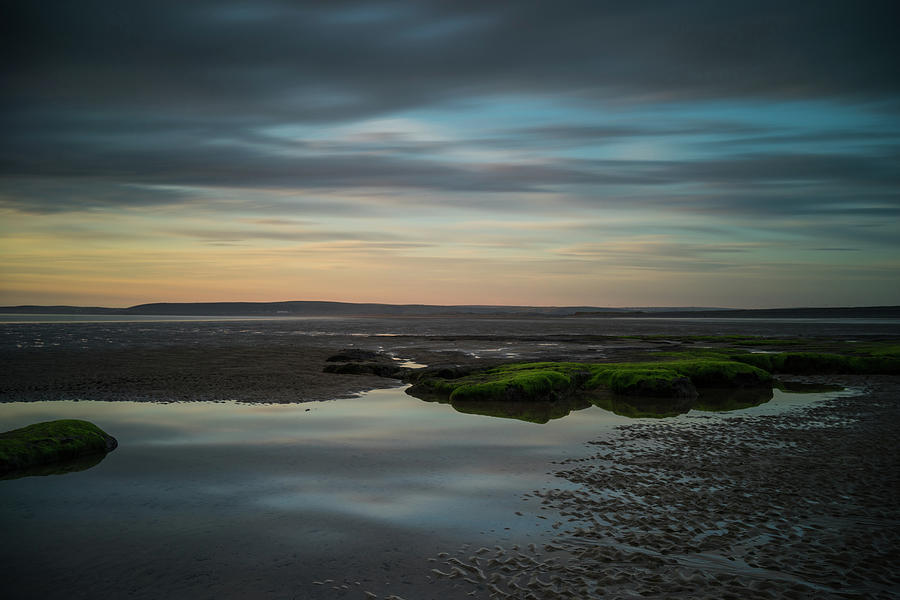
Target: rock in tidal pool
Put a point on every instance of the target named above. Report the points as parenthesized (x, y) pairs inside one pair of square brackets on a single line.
[(379, 369), (355, 355), (52, 442)]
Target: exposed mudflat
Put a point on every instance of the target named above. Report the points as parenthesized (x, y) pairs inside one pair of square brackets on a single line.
[(244, 373), (759, 503), (282, 360)]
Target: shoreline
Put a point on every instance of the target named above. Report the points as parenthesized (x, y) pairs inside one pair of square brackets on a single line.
[(617, 520), (755, 504), (801, 504)]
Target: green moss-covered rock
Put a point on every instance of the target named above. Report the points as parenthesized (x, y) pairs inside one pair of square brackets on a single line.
[(355, 355), (724, 377), (559, 380), (520, 382), (52, 442), (671, 378), (721, 373), (359, 368), (647, 381), (533, 384)]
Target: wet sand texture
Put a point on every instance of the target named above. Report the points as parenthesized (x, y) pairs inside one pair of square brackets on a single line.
[(246, 373), (798, 505)]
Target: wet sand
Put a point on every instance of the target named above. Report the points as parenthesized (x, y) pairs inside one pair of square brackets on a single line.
[(802, 504), (263, 373), (274, 371), (282, 360)]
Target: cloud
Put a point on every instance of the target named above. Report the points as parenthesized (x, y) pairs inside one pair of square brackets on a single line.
[(732, 131), (110, 105), (773, 185), (47, 195), (308, 235), (322, 61)]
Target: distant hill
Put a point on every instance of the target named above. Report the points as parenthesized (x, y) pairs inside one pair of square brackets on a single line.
[(849, 312), (349, 309), (59, 310), (302, 308), (339, 309)]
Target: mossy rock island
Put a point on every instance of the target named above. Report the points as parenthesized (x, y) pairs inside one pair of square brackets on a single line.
[(553, 381), (52, 442)]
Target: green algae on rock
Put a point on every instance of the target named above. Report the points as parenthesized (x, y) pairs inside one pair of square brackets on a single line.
[(52, 442), (560, 380)]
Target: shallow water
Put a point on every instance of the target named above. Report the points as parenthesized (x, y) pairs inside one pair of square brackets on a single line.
[(236, 500)]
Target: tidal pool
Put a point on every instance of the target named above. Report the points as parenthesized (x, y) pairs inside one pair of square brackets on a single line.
[(226, 500)]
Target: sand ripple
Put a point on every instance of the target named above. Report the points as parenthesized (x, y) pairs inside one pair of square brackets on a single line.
[(798, 505)]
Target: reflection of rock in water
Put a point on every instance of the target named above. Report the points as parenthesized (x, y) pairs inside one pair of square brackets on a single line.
[(635, 407), (803, 387), (81, 463), (721, 399), (356, 355), (533, 412), (643, 406), (427, 395)]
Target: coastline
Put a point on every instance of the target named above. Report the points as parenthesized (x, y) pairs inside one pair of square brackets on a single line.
[(762, 503), (800, 504)]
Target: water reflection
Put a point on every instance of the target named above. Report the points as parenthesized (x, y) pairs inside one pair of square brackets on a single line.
[(800, 387), (637, 407), (244, 496), (533, 412), (81, 463), (634, 407), (723, 399)]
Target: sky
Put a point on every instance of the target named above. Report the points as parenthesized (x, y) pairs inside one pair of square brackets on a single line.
[(691, 153)]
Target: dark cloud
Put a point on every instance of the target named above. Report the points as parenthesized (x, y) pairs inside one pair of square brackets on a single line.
[(53, 194), (777, 167), (341, 58), (113, 103), (92, 177), (575, 133)]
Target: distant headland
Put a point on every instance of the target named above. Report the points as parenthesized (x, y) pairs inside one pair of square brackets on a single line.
[(303, 308)]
